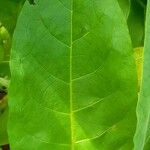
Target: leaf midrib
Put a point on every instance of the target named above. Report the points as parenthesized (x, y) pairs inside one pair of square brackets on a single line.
[(71, 97)]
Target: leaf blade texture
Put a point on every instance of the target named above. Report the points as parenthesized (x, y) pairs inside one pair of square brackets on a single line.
[(72, 64), (141, 139)]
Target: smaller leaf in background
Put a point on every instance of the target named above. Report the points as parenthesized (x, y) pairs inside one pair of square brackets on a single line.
[(5, 45), (4, 33), (5, 42), (9, 11), (1, 46)]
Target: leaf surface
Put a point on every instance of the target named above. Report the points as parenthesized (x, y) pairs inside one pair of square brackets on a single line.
[(72, 65), (138, 54), (141, 139)]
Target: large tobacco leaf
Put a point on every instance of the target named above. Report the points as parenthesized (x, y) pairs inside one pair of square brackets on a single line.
[(73, 82), (142, 136)]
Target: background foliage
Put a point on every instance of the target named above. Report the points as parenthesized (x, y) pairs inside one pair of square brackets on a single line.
[(9, 11)]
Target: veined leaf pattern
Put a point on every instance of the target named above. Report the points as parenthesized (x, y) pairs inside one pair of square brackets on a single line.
[(72, 65)]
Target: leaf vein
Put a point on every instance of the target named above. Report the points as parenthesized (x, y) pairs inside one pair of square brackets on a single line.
[(95, 137), (46, 27), (64, 5), (81, 37)]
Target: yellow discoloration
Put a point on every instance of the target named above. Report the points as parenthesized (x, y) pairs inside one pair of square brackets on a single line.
[(138, 54)]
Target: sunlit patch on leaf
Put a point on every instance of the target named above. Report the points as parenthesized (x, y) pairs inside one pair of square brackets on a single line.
[(138, 53)]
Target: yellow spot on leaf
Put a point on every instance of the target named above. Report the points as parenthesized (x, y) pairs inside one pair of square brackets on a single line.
[(138, 54)]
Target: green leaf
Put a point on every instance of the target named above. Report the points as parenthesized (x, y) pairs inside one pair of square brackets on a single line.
[(141, 139), (72, 65), (5, 44)]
